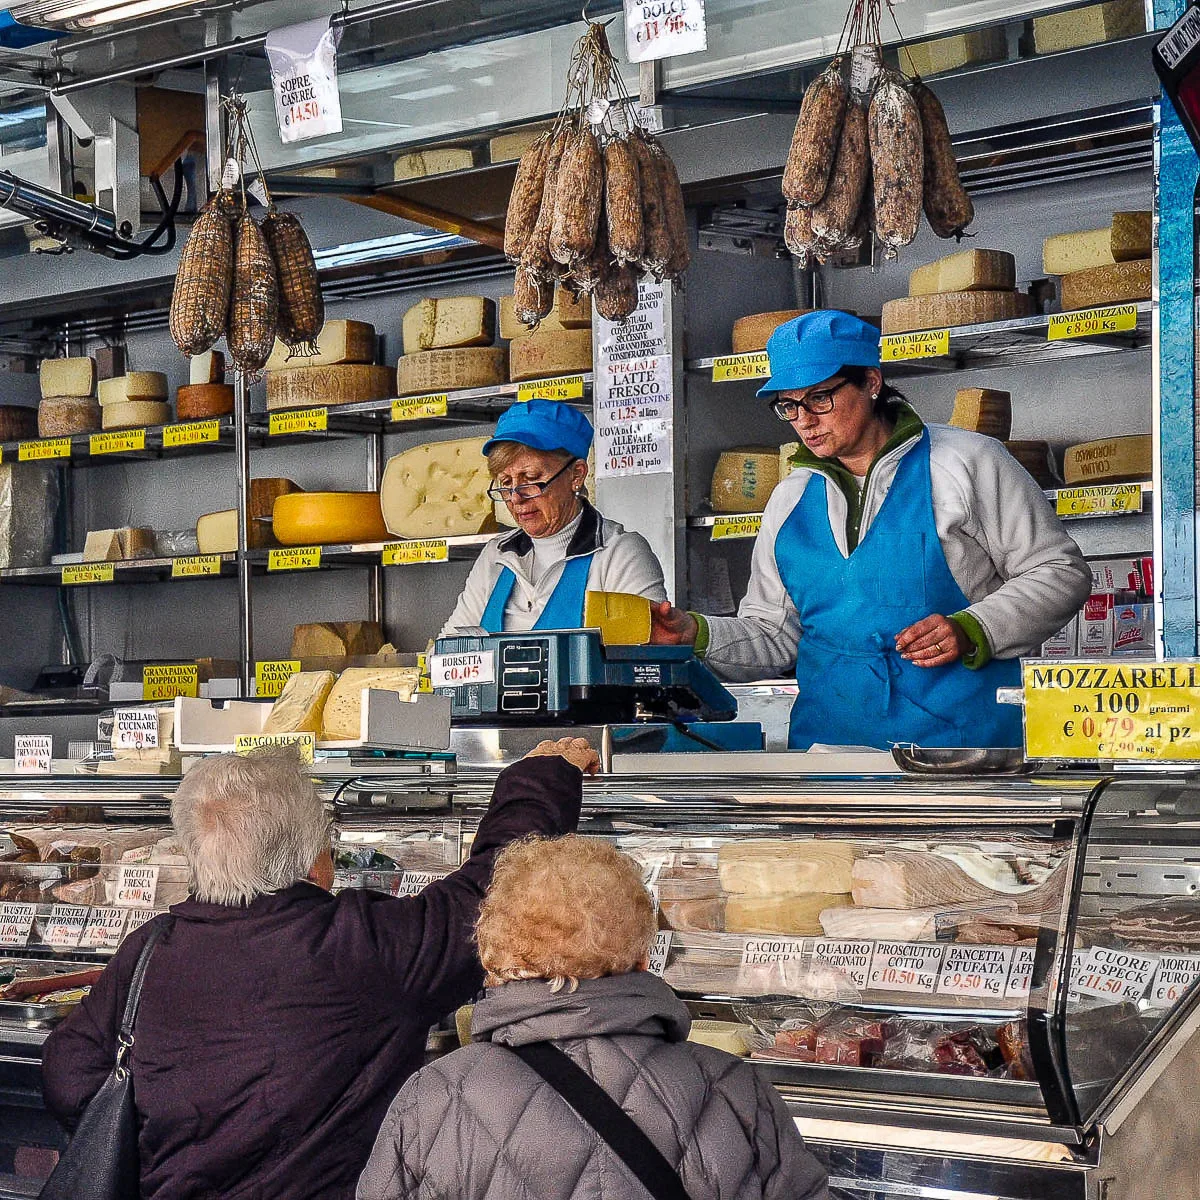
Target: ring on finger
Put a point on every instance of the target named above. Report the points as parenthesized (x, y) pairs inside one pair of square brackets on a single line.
[(938, 647)]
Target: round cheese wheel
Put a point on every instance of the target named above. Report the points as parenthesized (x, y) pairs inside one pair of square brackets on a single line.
[(60, 416), (750, 333), (344, 383), (129, 414), (17, 422), (137, 385), (317, 518), (195, 401)]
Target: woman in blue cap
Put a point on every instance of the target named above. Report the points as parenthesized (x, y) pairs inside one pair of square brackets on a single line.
[(536, 577), (903, 568)]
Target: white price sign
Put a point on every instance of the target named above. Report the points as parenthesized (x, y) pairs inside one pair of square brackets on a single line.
[(1020, 974), (969, 970), (1176, 973), (458, 670), (16, 923), (414, 882), (33, 753), (850, 956), (905, 966), (664, 28), (66, 925), (139, 917), (104, 929), (757, 951), (135, 729), (136, 886), (660, 949), (1114, 974)]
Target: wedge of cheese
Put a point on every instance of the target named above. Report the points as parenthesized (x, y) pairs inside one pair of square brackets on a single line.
[(116, 545), (129, 414), (744, 479), (432, 162), (946, 310), (301, 704), (450, 370), (508, 147), (549, 352), (447, 322), (208, 367), (67, 377), (795, 915), (338, 342), (731, 1036), (342, 720), (967, 271), (437, 490), (623, 619), (336, 639), (197, 401), (1127, 239), (567, 313), (750, 333), (1119, 284), (1086, 26), (319, 387), (137, 385), (1109, 460), (321, 518), (983, 411), (60, 416), (778, 867)]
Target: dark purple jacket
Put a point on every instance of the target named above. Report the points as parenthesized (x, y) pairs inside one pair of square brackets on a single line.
[(271, 1039)]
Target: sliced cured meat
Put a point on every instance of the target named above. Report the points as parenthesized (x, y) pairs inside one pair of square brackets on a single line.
[(1167, 924)]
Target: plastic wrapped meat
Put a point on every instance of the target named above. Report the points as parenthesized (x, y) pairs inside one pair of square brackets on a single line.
[(1013, 1040), (1172, 926)]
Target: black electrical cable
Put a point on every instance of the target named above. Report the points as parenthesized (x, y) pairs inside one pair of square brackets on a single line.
[(681, 727), (123, 250)]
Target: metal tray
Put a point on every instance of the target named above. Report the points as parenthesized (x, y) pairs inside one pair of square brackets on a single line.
[(954, 760), (28, 1012)]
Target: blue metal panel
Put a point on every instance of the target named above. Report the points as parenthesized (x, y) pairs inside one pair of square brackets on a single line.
[(1177, 171)]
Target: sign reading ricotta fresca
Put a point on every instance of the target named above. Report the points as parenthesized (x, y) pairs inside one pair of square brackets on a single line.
[(1111, 710)]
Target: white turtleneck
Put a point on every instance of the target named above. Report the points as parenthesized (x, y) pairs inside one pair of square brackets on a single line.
[(547, 551)]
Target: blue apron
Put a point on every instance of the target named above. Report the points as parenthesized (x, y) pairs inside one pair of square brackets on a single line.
[(855, 689), (564, 609)]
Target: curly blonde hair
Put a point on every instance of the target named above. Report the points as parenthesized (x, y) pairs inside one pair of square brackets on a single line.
[(564, 909)]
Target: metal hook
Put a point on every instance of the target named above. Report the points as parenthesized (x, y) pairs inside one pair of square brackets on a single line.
[(583, 12)]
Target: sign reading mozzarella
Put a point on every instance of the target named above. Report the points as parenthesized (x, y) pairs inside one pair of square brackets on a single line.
[(457, 670), (414, 882)]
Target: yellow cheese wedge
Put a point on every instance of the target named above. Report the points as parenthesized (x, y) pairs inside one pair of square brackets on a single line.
[(1109, 460), (318, 387), (1118, 284), (67, 377), (217, 532), (744, 479), (796, 915), (967, 271), (779, 867), (338, 342), (336, 639), (731, 1036), (132, 413), (437, 490), (983, 410), (462, 1024), (432, 162), (946, 310), (550, 352), (751, 333), (567, 313), (102, 545), (342, 720), (137, 385), (299, 707), (450, 370), (1087, 26), (623, 619), (318, 518), (1129, 238), (447, 322)]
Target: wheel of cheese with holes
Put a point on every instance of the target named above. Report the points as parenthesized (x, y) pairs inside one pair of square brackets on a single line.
[(319, 518), (438, 490)]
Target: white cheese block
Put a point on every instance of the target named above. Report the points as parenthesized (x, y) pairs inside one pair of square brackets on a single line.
[(744, 479), (449, 321), (137, 385), (1118, 284), (450, 370), (437, 490), (1109, 460), (984, 411), (102, 545), (59, 416), (1087, 26), (731, 1036), (208, 367), (946, 310), (338, 342), (567, 313), (750, 333), (299, 707), (778, 867), (432, 162), (796, 915), (129, 414), (318, 387), (67, 377), (967, 271), (342, 719), (550, 352), (217, 532)]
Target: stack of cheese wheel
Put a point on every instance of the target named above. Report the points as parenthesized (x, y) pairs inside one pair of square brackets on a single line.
[(560, 345), (448, 346), (68, 404), (206, 394), (968, 288), (138, 398), (1103, 266), (343, 371)]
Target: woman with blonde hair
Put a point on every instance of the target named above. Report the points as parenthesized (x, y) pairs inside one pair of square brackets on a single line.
[(580, 1080)]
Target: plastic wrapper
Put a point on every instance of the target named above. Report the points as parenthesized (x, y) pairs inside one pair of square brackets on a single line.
[(944, 1050), (172, 543), (28, 507)]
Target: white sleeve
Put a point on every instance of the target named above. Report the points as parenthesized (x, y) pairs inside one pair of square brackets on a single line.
[(468, 612), (629, 565)]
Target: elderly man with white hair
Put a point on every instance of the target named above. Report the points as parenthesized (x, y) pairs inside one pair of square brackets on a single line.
[(277, 1021)]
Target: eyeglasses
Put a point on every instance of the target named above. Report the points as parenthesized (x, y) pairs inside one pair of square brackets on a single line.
[(528, 491), (815, 403)]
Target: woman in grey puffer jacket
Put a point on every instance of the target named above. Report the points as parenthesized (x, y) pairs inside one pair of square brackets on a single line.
[(564, 936)]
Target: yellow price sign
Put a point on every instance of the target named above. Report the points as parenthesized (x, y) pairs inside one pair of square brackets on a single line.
[(298, 420), (424, 684), (59, 447), (1088, 322), (269, 677), (415, 552), (1112, 711), (116, 441), (928, 343), (562, 387), (415, 408), (745, 525), (189, 566), (754, 365), (191, 433), (306, 743), (1099, 501), (170, 680), (294, 558), (87, 573)]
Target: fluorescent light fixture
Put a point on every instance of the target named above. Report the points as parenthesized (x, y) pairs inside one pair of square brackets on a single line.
[(90, 14), (402, 245)]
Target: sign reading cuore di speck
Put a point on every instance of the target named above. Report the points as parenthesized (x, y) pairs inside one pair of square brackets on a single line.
[(1112, 710)]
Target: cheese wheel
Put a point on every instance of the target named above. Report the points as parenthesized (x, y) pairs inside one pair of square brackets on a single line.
[(132, 413), (318, 387), (623, 619), (549, 352), (438, 490), (60, 416), (63, 377), (744, 479), (299, 707), (949, 309), (316, 518), (967, 271), (196, 401), (449, 321), (983, 411), (1117, 284), (751, 333), (17, 422), (1109, 460), (338, 342), (450, 370), (342, 718), (137, 385)]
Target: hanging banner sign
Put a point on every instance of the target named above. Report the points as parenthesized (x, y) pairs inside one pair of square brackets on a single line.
[(664, 29), (304, 79)]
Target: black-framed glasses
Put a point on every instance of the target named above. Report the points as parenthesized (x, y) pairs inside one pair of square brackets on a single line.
[(815, 403), (527, 491)]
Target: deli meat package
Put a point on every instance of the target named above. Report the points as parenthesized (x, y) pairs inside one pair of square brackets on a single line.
[(1170, 926)]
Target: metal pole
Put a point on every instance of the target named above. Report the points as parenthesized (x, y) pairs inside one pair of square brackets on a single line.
[(375, 576), (241, 442)]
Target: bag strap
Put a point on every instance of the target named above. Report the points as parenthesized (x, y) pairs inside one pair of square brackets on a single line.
[(599, 1110), (133, 999)]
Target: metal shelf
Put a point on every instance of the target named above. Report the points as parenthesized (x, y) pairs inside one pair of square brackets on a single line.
[(81, 447), (370, 554), (136, 570)]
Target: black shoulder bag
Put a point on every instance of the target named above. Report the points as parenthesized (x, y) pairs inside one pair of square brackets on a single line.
[(101, 1162), (599, 1110)]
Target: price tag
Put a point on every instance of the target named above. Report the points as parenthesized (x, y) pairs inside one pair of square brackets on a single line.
[(905, 966), (419, 550), (305, 742), (1114, 974), (294, 558), (170, 680), (660, 951), (59, 447), (33, 753), (191, 433), (269, 677), (969, 970), (759, 950), (1111, 710), (416, 408), (1088, 322), (137, 884), (745, 525), (1020, 974), (81, 573), (65, 926), (850, 956), (1099, 501), (139, 916), (116, 441), (135, 729), (729, 367), (929, 343), (190, 565), (457, 670), (1176, 973), (413, 882), (347, 879), (104, 929), (563, 387), (16, 923), (298, 420)]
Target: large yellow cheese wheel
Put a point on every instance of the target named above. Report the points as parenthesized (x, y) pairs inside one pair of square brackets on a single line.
[(438, 490), (751, 333), (1109, 460), (316, 518)]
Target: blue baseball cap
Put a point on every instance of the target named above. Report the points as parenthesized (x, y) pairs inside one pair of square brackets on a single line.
[(544, 425), (812, 347)]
